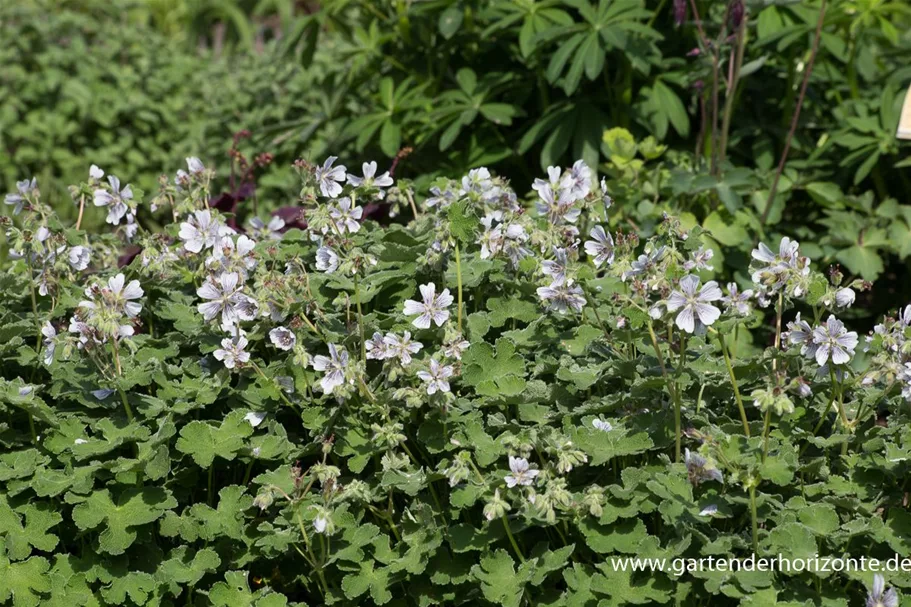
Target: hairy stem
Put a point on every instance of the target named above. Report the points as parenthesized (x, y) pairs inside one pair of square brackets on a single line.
[(737, 397)]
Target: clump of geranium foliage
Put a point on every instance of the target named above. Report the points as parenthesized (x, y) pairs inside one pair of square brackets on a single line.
[(478, 406)]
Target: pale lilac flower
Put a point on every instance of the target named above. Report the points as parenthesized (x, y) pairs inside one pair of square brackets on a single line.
[(79, 257), (225, 297), (578, 180), (229, 255), (833, 341), (844, 297), (326, 260), (282, 338), (433, 308), (606, 200), (437, 378), (401, 347), (600, 424), (557, 206), (18, 198), (521, 473), (879, 596), (696, 311), (477, 181), (267, 231), (454, 348), (334, 367), (195, 165), (232, 351), (50, 342), (556, 268), (330, 178), (645, 263), (443, 198), (202, 231), (369, 179), (801, 333), (553, 179), (346, 216), (699, 260), (95, 173), (376, 347), (115, 297), (115, 200), (562, 297), (736, 301), (601, 248), (699, 469), (255, 418), (905, 377)]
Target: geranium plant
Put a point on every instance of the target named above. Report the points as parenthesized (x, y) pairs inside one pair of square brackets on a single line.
[(485, 403)]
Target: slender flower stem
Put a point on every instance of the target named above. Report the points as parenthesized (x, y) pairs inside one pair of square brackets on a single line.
[(31, 284), (512, 540), (765, 433), (754, 517), (459, 282), (737, 397), (794, 119), (81, 210), (123, 395), (671, 388), (360, 318), (677, 403)]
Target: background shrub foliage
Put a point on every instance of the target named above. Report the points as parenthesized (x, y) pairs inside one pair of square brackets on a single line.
[(469, 407), (704, 101)]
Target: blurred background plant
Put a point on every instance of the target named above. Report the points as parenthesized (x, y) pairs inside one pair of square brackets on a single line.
[(753, 119)]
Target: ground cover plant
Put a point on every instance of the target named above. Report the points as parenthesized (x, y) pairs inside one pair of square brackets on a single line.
[(481, 404)]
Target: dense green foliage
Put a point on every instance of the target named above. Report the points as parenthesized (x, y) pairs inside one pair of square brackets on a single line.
[(513, 85), (470, 407)]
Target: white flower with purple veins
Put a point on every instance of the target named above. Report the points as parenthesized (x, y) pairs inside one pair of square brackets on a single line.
[(376, 347), (455, 348), (433, 308), (736, 301), (787, 252), (879, 596), (369, 179), (644, 264), (195, 165), (346, 216), (556, 268), (282, 338), (401, 347), (553, 179), (334, 367), (232, 351), (905, 377), (50, 343), (79, 257), (115, 200), (600, 424), (700, 260), (326, 260), (18, 198), (477, 181), (844, 297), (699, 469), (601, 248), (202, 231), (578, 179), (231, 256), (696, 310), (117, 297), (437, 378), (267, 231), (562, 297), (443, 198), (801, 333), (557, 206), (330, 178), (95, 173), (225, 298), (521, 475), (834, 342)]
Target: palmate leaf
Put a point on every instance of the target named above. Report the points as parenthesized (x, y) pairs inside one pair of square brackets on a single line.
[(376, 581), (494, 372), (133, 508), (235, 592), (203, 441), (26, 527), (500, 582), (24, 584)]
